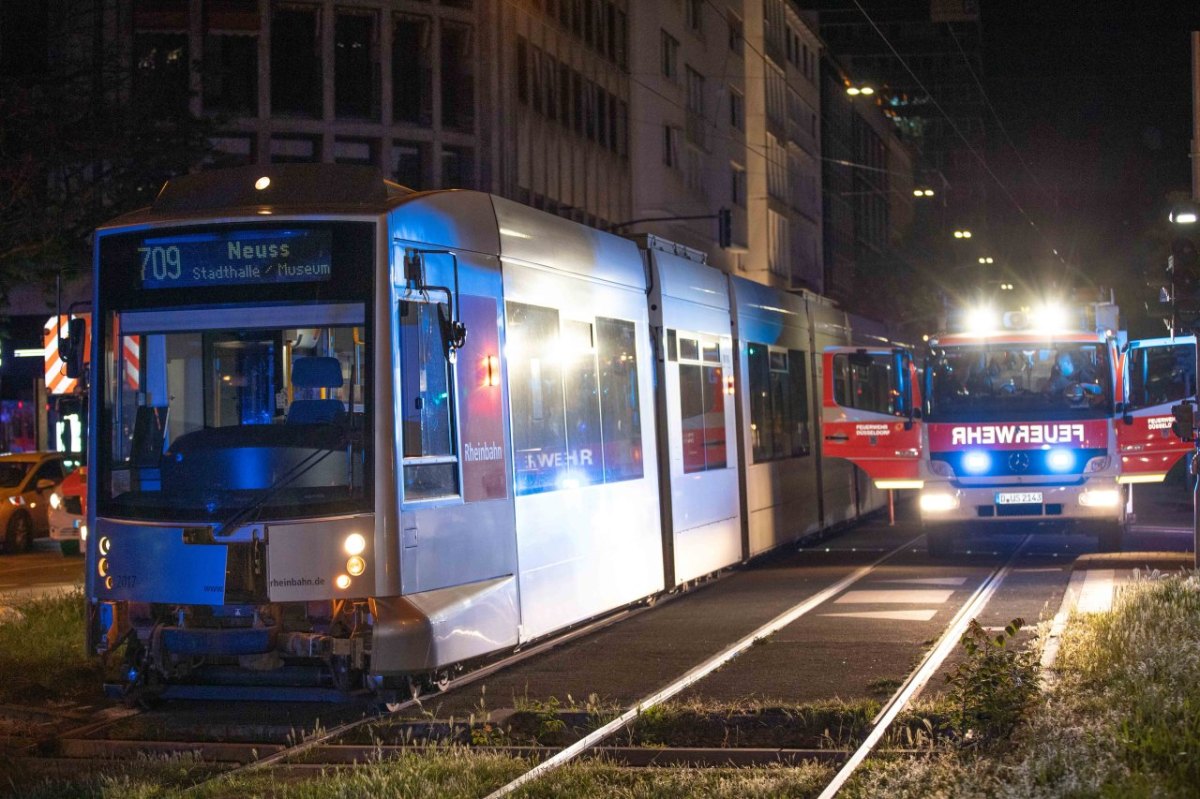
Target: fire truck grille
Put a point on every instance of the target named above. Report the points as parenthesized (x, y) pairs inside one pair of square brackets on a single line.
[(1024, 509)]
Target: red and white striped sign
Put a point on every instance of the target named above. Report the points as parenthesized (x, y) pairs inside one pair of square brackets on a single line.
[(57, 381)]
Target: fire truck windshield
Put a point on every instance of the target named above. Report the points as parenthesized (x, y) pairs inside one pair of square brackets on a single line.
[(995, 382)]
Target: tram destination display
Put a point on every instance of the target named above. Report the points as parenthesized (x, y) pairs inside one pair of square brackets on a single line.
[(236, 257)]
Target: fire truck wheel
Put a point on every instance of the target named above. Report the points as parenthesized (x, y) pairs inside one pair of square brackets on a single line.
[(939, 541), (1108, 537)]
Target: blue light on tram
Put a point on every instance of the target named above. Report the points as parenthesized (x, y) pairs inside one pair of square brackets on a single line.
[(1060, 460), (977, 462)]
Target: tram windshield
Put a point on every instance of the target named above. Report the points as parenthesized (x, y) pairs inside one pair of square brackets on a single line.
[(205, 422), (234, 392), (1051, 380)]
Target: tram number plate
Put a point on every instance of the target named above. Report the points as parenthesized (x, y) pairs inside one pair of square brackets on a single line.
[(1018, 497)]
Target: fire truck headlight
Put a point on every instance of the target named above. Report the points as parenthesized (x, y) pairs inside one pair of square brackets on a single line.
[(1060, 460), (981, 319), (55, 501), (1101, 498), (938, 503), (976, 462), (1097, 464), (83, 532)]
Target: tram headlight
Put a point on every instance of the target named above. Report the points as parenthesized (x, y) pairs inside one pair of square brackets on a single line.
[(938, 502), (356, 565), (354, 544), (104, 545), (342, 581), (102, 567)]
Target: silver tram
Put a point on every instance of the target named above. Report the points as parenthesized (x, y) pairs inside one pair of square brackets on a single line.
[(347, 436)]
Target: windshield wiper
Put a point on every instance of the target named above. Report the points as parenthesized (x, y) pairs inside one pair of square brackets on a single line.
[(228, 527)]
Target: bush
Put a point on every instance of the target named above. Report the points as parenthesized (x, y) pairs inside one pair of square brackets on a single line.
[(992, 687)]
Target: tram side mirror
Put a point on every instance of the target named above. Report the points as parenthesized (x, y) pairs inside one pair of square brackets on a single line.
[(1184, 426), (72, 347), (454, 333)]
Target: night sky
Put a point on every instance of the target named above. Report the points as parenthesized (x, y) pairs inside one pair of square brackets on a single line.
[(1096, 98)]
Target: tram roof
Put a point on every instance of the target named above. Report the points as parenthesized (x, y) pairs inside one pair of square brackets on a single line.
[(274, 188)]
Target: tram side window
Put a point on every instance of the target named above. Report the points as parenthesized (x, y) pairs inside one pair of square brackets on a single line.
[(866, 382), (779, 420), (571, 385), (427, 400), (1158, 375), (701, 402), (619, 405)]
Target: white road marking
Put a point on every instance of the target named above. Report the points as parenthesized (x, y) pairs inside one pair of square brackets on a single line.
[(1097, 593), (894, 615), (927, 581), (1039, 571), (899, 596)]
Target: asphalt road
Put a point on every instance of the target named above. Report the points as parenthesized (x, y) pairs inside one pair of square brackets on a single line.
[(41, 570)]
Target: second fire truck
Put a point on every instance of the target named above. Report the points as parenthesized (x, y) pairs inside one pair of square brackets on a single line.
[(1035, 419)]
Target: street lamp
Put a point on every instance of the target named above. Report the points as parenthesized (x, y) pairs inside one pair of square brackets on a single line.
[(986, 260), (854, 91), (962, 234), (922, 192)]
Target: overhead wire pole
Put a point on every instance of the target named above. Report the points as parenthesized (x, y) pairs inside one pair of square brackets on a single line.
[(1195, 464)]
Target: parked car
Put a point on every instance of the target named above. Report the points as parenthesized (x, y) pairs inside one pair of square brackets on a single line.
[(68, 512), (26, 480)]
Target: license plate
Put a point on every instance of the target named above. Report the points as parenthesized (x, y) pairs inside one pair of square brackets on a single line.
[(1018, 497)]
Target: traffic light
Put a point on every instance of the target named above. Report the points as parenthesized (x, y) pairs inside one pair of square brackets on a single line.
[(724, 228)]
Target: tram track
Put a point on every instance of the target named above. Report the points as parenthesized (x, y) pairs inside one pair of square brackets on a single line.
[(320, 752)]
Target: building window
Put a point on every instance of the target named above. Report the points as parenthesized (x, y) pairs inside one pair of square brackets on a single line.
[(701, 401), (412, 70), (295, 150), (670, 56), (230, 72), (779, 414), (410, 164), (737, 34), (355, 65), (522, 70), (693, 13), (458, 77), (671, 147), (737, 109), (696, 123), (355, 151), (458, 168), (737, 189), (778, 239), (296, 61)]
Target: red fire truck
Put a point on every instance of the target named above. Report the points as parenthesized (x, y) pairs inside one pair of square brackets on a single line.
[(1032, 419)]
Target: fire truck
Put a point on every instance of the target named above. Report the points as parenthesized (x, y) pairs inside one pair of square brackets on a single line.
[(1039, 419)]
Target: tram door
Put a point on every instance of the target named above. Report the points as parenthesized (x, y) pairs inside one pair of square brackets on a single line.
[(869, 413)]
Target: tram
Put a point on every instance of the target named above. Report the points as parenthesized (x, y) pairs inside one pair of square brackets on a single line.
[(347, 436)]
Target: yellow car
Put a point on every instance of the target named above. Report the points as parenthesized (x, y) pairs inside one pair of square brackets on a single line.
[(26, 480)]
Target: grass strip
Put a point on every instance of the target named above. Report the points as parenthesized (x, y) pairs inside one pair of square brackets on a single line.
[(42, 654), (1121, 720)]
